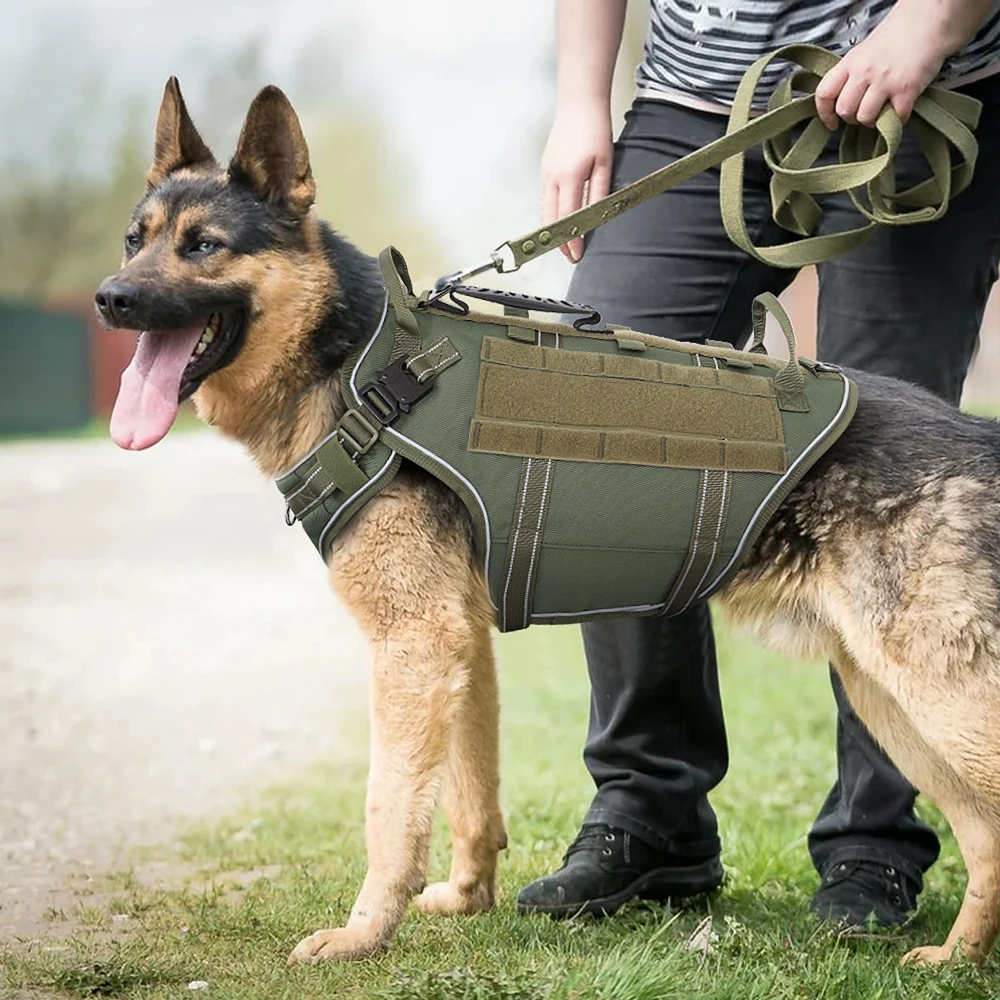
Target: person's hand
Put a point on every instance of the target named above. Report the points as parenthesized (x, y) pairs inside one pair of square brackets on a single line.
[(894, 64), (576, 166)]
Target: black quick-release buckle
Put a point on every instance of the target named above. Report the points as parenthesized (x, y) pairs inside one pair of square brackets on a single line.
[(394, 390)]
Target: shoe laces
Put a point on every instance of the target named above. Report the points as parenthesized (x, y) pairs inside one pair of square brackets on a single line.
[(875, 880), (594, 836)]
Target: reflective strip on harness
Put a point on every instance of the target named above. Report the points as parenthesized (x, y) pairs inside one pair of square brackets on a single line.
[(714, 492), (534, 493)]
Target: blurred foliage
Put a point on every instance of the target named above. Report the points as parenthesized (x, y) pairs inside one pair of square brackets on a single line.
[(61, 228)]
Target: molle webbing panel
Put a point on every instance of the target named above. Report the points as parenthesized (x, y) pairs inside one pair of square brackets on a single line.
[(542, 402)]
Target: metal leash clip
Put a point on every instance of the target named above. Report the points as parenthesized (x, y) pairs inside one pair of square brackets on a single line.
[(451, 280)]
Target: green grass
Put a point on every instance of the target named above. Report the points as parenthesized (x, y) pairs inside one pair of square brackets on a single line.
[(236, 934)]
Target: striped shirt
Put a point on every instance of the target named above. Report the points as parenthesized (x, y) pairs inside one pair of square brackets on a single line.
[(695, 52)]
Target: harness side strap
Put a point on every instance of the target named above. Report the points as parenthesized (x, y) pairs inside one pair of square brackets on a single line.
[(333, 466)]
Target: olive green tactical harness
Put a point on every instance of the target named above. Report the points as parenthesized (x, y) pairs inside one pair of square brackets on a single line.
[(607, 472)]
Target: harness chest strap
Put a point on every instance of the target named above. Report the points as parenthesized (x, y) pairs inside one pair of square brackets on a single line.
[(332, 480)]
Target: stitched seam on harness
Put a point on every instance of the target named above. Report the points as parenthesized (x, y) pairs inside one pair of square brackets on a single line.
[(455, 356), (305, 510), (312, 475), (513, 546), (538, 535), (430, 350), (719, 525), (693, 550), (715, 540)]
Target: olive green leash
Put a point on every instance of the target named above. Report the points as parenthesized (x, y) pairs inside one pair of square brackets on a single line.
[(942, 121)]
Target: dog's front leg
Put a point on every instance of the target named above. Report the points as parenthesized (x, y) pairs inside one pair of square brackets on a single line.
[(405, 574), (470, 793), (410, 724)]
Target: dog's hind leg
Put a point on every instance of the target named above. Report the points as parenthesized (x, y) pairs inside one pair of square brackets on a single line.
[(941, 743), (978, 922), (405, 571), (470, 795)]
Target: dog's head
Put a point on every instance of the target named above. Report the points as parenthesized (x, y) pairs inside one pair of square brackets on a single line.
[(222, 267)]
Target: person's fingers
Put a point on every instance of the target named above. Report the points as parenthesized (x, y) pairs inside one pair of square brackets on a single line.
[(903, 101), (827, 92), (850, 98), (600, 183), (871, 105), (569, 199)]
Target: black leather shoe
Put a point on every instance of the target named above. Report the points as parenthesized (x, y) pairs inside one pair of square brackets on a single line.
[(856, 890), (606, 867)]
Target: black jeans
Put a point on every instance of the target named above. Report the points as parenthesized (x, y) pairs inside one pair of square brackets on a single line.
[(909, 303)]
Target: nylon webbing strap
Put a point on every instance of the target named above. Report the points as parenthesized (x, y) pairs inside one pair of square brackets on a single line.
[(334, 467), (942, 121), (714, 491), (333, 470), (789, 383), (400, 289), (533, 493), (435, 359)]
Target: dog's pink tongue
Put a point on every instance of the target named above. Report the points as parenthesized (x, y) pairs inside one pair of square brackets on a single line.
[(147, 397)]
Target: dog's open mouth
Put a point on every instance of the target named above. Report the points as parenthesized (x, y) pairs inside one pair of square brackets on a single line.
[(167, 367)]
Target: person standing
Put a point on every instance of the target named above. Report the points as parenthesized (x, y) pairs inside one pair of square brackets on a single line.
[(908, 303)]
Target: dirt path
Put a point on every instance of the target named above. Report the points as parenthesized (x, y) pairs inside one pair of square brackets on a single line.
[(166, 644)]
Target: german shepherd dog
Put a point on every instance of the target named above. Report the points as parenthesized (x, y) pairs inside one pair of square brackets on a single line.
[(885, 559)]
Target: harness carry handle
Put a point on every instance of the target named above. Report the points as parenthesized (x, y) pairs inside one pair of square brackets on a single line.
[(941, 119), (588, 316), (789, 383), (400, 290)]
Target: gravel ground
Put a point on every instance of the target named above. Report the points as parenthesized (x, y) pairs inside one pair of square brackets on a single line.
[(167, 645)]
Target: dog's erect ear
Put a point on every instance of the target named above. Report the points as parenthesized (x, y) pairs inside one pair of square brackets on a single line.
[(177, 143), (272, 157)]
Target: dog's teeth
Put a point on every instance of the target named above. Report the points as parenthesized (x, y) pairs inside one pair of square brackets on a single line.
[(200, 348), (208, 336), (214, 322)]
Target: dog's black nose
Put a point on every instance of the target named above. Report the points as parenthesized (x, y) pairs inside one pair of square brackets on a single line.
[(115, 300)]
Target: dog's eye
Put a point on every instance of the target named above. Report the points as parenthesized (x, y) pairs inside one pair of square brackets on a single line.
[(132, 242), (204, 246)]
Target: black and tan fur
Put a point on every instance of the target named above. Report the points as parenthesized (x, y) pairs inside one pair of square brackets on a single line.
[(885, 559)]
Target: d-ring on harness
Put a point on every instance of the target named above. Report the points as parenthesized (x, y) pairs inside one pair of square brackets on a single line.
[(607, 472)]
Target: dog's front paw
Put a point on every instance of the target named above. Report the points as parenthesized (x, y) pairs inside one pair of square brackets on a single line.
[(447, 899), (342, 944), (929, 954)]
